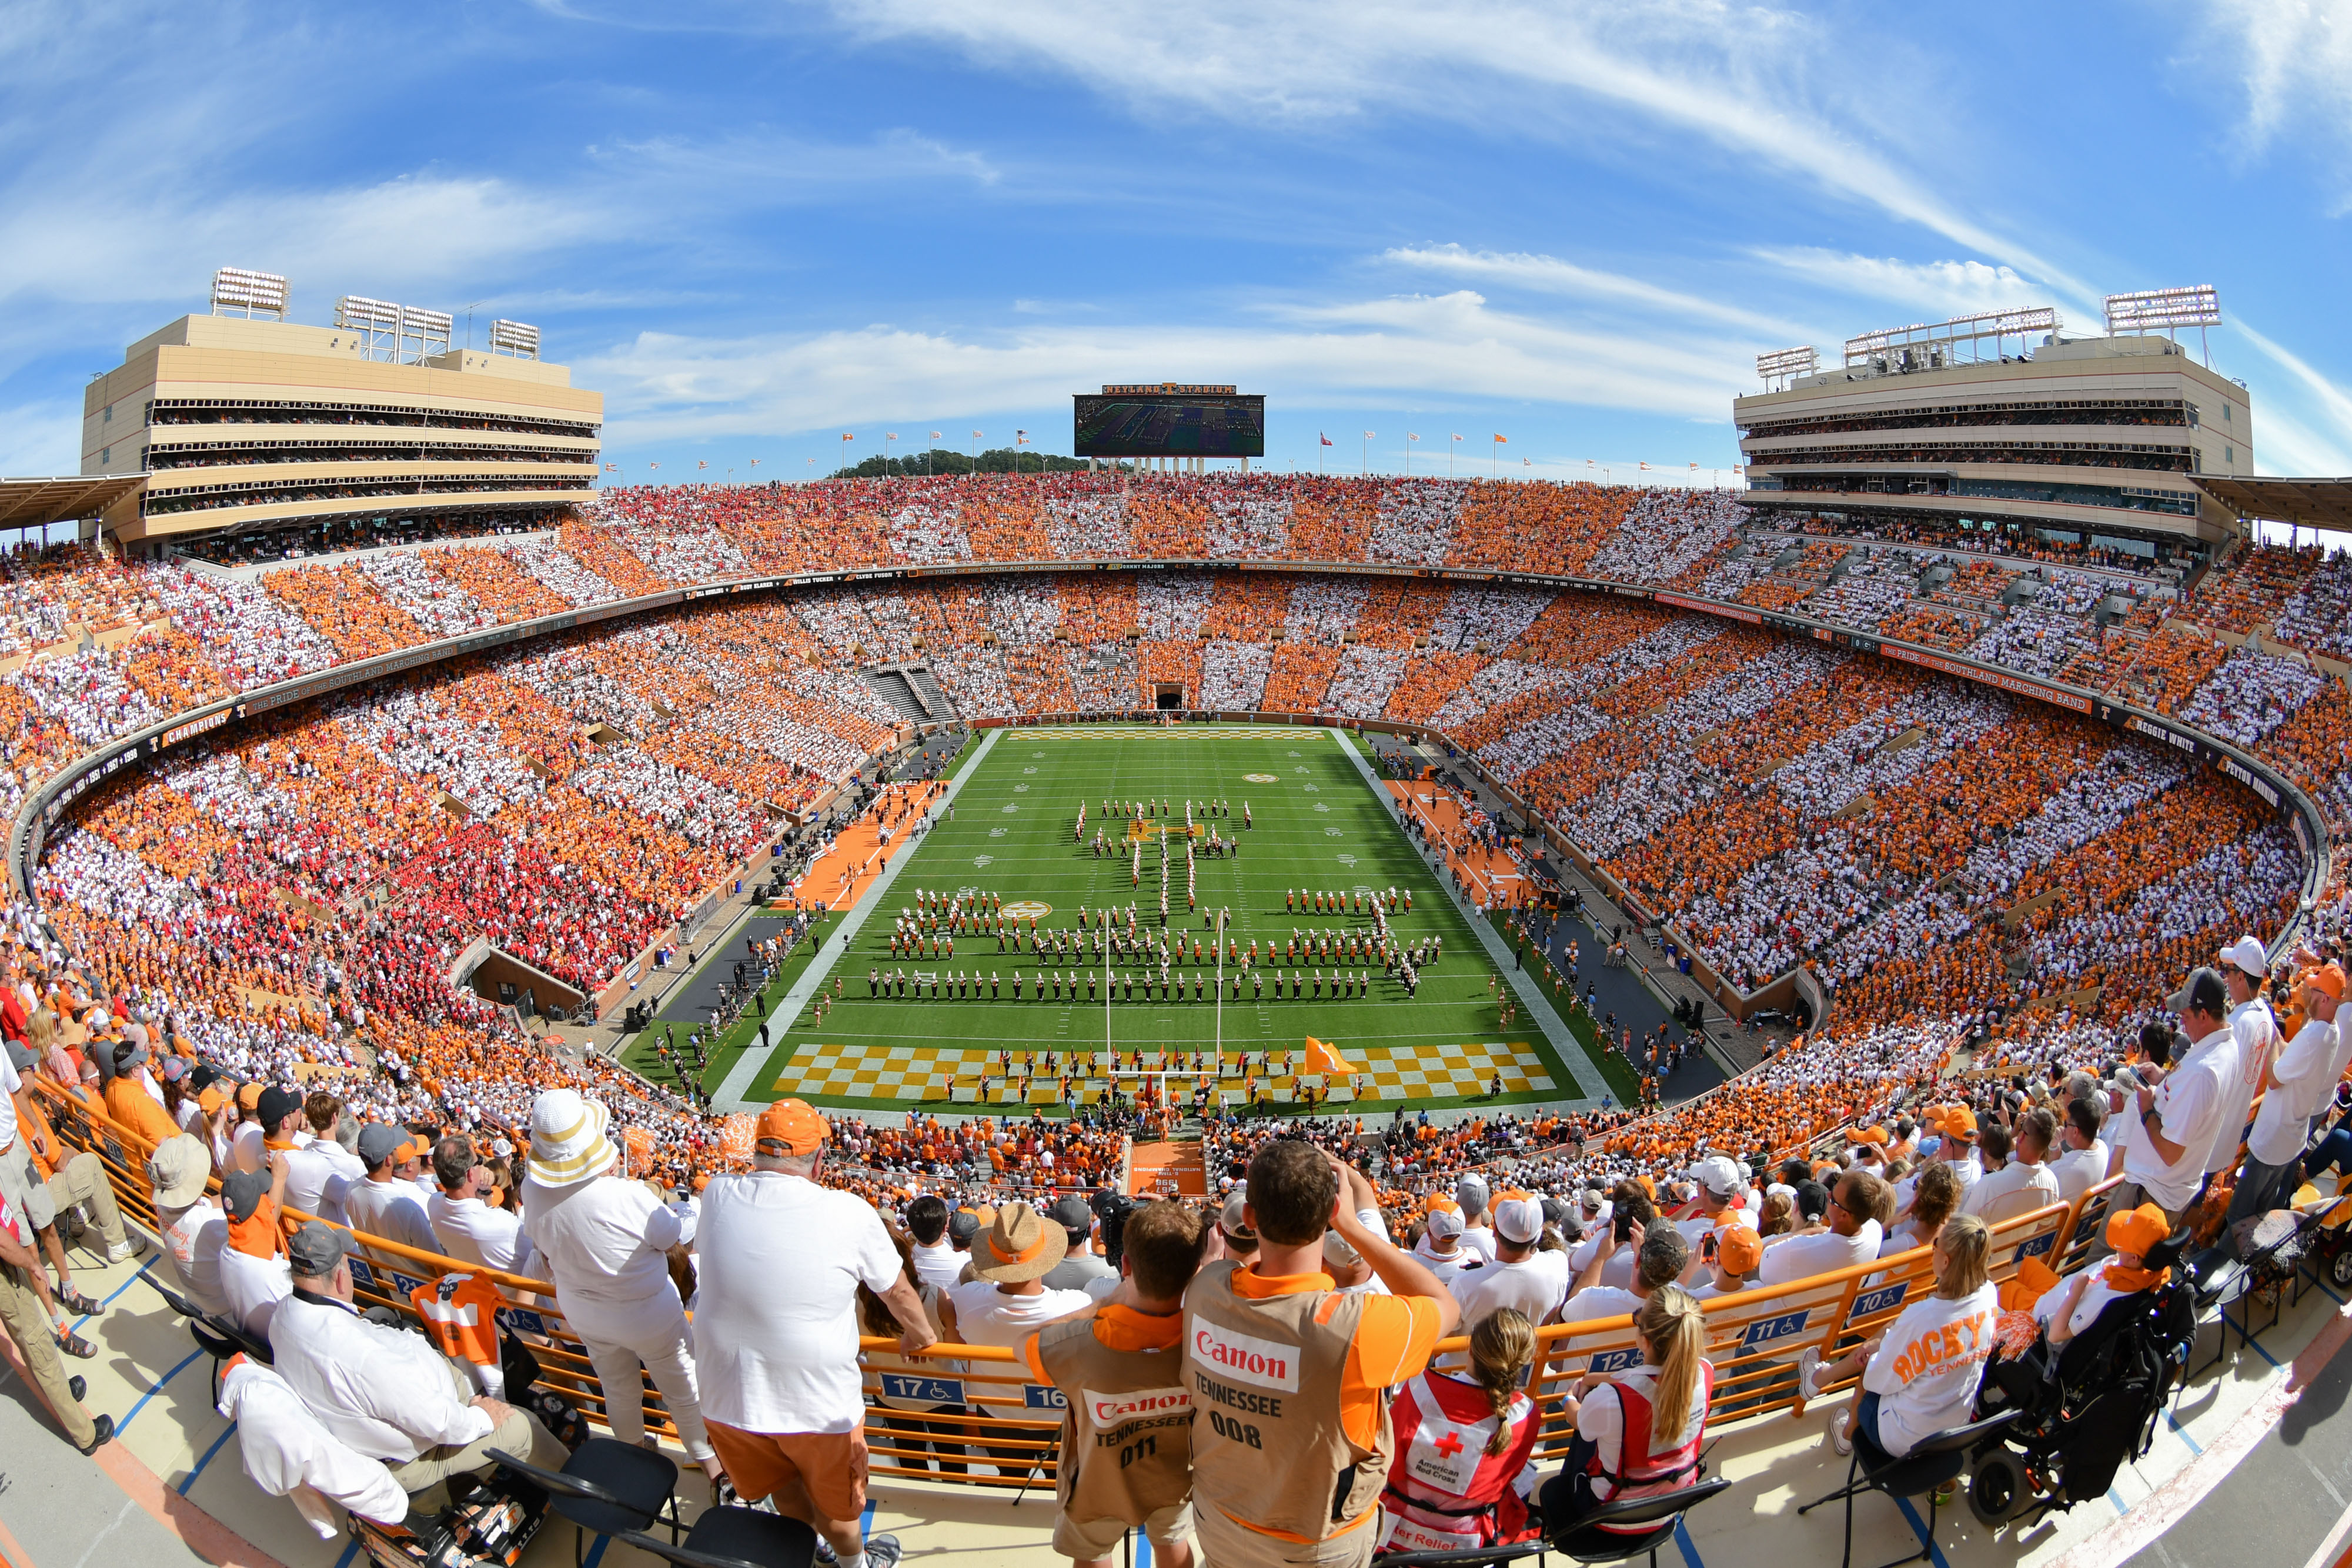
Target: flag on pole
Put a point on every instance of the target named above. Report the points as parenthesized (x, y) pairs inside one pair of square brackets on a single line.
[(1645, 468), (1457, 436), (935, 435), (1325, 1058), (1694, 467), (1503, 440), (755, 463), (1409, 436), (653, 465), (1527, 462), (698, 464), (1370, 433), (1323, 438), (611, 468), (847, 436), (889, 435)]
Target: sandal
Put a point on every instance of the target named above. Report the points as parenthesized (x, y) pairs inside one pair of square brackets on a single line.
[(73, 1344), (79, 1305)]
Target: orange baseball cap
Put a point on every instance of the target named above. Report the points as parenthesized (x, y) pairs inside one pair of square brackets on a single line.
[(209, 1100), (2329, 980), (1738, 1249), (795, 1125), (249, 1097), (2135, 1231)]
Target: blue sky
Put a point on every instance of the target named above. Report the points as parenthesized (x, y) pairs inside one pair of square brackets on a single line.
[(756, 226)]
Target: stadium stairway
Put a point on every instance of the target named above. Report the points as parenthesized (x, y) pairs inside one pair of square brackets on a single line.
[(927, 691), (892, 686)]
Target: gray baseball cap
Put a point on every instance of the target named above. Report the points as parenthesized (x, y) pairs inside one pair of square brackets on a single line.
[(316, 1248)]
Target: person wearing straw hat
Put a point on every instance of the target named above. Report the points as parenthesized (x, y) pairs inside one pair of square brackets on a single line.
[(775, 1329), (193, 1226), (606, 1240), (1007, 1300)]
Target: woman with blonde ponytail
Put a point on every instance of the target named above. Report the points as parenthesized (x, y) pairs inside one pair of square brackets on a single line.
[(1463, 1444), (1638, 1431)]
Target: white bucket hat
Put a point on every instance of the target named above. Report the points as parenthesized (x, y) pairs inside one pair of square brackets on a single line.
[(567, 1139)]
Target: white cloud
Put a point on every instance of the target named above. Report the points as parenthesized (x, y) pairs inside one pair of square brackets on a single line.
[(41, 438), (1550, 274), (2284, 445), (1431, 348), (1745, 78), (1928, 288)]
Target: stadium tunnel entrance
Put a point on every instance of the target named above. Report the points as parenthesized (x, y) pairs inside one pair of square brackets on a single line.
[(1169, 695)]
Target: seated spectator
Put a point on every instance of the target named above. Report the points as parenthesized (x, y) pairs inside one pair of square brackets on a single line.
[(1006, 1300), (2084, 1163), (776, 1330), (1465, 1490), (383, 1391), (1661, 1258), (193, 1226), (938, 1261), (1934, 1201), (253, 1271), (1122, 1369), (1730, 1257), (132, 1104), (2074, 1306), (288, 1454), (2025, 1183), (1081, 1265), (1919, 1375), (1638, 1433), (38, 1177), (468, 1227), (1524, 1278), (1852, 1235), (387, 1202)]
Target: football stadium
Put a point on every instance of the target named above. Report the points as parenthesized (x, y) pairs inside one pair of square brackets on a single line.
[(492, 957)]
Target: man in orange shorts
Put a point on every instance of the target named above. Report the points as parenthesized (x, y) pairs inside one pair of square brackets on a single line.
[(781, 1260)]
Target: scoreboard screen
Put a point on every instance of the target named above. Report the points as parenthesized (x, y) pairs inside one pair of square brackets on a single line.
[(1168, 424)]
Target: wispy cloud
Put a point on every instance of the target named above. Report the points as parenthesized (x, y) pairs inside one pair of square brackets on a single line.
[(1450, 345), (1741, 77), (2292, 59), (1550, 274), (1921, 287), (2285, 446)]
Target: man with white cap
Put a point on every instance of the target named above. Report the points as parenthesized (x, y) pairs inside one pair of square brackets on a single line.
[(775, 1327), (1440, 1248), (1716, 1206), (2180, 1120), (1477, 1224), (2245, 964), (606, 1241), (2294, 1090), (1532, 1282)]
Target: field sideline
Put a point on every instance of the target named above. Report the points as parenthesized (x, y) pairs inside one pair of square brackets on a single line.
[(1319, 824)]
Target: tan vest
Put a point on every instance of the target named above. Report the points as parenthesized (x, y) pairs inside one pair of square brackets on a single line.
[(1267, 1445), (1126, 1437)]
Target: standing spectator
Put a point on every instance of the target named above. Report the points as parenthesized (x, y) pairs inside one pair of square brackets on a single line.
[(2294, 1090), (1531, 1282), (1120, 1370), (1638, 1432), (2244, 964), (776, 1326), (1006, 1300), (26, 1311), (319, 1171), (2181, 1118), (1289, 1466), (606, 1241), (1661, 1257), (1927, 1380), (384, 1392), (468, 1226)]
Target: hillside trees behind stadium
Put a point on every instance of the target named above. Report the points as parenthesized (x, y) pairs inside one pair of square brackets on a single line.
[(940, 460)]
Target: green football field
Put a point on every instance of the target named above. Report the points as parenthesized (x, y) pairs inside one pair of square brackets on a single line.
[(1318, 825)]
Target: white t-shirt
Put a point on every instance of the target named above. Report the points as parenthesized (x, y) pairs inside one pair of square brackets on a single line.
[(1601, 1417), (1479, 1238), (2014, 1189), (985, 1315), (775, 1326), (1446, 1266), (2080, 1170), (9, 1084), (939, 1264), (2194, 1102), (1927, 1367), (194, 1236), (605, 1242), (1595, 1303), (2256, 1031), (2284, 1121), (253, 1287), (1801, 1256), (1536, 1286)]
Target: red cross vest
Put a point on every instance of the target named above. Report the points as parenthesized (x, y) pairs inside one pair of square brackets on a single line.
[(1641, 1473), (1445, 1491)]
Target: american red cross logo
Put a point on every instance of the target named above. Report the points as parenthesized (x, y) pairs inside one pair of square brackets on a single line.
[(1449, 1445)]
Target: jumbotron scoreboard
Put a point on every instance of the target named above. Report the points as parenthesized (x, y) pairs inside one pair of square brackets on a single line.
[(1169, 419)]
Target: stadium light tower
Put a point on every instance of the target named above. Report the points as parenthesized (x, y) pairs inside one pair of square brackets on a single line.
[(239, 288), (1783, 366), (2167, 310)]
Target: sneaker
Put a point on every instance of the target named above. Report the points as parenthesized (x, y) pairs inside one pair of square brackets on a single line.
[(133, 1245), (1809, 1373), (824, 1551), (883, 1552), (1840, 1441)]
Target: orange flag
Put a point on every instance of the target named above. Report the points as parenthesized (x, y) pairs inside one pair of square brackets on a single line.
[(1322, 1058)]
